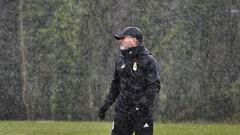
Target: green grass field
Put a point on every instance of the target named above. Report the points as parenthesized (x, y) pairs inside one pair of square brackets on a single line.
[(104, 128)]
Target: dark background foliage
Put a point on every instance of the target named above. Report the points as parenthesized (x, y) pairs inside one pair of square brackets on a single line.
[(57, 56)]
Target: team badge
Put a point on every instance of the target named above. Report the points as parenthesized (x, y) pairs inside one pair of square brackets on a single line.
[(135, 66)]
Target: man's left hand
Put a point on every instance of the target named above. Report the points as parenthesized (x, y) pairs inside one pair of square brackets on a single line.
[(102, 112)]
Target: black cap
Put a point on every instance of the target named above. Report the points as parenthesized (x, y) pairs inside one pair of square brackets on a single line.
[(130, 31)]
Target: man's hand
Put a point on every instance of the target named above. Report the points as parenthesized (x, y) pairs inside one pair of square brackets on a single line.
[(102, 112), (132, 114), (137, 112)]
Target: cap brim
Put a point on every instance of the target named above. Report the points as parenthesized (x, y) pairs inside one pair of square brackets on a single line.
[(120, 36)]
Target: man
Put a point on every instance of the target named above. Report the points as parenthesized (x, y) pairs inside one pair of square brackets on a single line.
[(135, 84)]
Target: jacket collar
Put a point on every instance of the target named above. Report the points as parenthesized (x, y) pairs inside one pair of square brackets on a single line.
[(135, 52)]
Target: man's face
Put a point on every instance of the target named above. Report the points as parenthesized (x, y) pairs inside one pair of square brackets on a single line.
[(127, 42)]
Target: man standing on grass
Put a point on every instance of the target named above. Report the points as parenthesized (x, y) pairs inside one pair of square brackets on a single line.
[(135, 84)]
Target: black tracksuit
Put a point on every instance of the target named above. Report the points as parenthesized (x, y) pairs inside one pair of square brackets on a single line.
[(135, 84)]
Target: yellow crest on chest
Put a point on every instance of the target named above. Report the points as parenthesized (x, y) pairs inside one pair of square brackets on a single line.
[(134, 66)]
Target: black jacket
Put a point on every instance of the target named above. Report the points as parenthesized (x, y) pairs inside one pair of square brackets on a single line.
[(136, 82)]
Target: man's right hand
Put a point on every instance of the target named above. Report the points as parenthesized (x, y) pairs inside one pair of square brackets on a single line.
[(102, 112), (133, 113), (137, 112)]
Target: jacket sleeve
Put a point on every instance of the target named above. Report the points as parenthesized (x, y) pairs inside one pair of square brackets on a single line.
[(114, 90), (152, 83)]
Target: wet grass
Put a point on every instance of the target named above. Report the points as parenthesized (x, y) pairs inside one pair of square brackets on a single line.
[(104, 128)]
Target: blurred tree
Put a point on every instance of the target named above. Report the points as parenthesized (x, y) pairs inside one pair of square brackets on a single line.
[(201, 62), (11, 79)]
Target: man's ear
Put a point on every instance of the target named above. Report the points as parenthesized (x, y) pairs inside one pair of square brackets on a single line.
[(135, 41)]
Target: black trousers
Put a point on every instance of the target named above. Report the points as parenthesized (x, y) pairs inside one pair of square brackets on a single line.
[(125, 126)]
